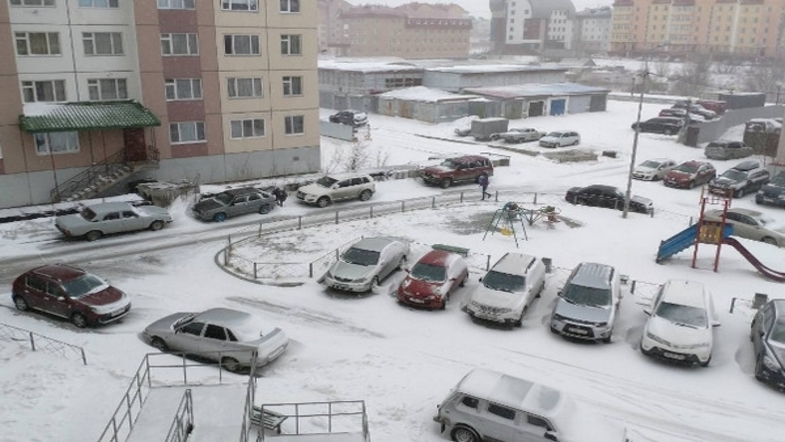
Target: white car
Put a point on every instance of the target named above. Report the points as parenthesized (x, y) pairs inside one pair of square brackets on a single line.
[(654, 169), (679, 328), (328, 189), (365, 263), (560, 138), (507, 290), (518, 135)]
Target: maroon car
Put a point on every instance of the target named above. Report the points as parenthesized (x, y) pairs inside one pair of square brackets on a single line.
[(690, 174), (432, 280), (71, 293)]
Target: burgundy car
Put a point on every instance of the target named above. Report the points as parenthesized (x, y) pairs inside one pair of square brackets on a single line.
[(71, 293), (432, 280), (690, 174)]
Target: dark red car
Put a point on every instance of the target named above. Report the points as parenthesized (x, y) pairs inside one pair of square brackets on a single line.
[(690, 174), (71, 293), (432, 280)]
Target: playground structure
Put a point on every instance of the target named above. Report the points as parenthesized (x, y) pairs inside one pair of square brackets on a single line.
[(506, 219), (716, 233)]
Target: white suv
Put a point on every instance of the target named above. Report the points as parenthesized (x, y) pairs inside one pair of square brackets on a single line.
[(331, 188), (507, 290)]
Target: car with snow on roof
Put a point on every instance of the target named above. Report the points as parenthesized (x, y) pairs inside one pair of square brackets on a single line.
[(433, 279), (366, 263), (97, 220)]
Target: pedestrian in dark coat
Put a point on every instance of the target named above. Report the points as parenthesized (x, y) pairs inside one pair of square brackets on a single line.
[(280, 195), (484, 182)]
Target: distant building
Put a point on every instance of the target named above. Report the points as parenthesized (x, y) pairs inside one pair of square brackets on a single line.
[(460, 78), (531, 26), (331, 31), (592, 30)]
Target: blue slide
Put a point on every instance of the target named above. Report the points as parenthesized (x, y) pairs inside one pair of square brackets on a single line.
[(684, 240)]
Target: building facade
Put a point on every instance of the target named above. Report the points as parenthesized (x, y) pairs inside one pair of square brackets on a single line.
[(592, 30), (331, 29), (531, 26), (199, 90), (747, 28)]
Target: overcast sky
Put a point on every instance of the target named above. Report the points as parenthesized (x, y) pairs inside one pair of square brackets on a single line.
[(480, 7)]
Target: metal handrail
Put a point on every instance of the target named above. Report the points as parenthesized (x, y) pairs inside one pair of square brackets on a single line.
[(41, 342), (183, 422)]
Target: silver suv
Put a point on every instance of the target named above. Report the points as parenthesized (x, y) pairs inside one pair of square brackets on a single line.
[(331, 188)]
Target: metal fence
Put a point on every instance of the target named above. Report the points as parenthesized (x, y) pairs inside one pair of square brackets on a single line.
[(310, 418), (183, 422), (34, 341)]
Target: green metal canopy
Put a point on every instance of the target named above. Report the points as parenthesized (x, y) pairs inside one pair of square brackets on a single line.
[(85, 116)]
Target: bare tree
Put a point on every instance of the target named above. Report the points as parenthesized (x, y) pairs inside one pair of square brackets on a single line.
[(765, 78), (359, 156), (693, 77)]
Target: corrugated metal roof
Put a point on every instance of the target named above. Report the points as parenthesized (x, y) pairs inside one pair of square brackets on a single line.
[(536, 90), (85, 116)]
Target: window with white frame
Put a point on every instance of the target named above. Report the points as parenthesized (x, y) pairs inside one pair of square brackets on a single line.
[(183, 89), (107, 89), (240, 5), (250, 128), (186, 132), (289, 6), (37, 43), (238, 44), (56, 142), (292, 86), (179, 44), (244, 87), (102, 43), (176, 4), (98, 3), (294, 124), (43, 91), (291, 45), (32, 3)]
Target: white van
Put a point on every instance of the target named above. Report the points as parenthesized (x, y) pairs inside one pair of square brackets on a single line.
[(492, 406)]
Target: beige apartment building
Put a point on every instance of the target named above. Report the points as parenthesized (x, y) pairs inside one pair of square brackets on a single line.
[(747, 28), (103, 92)]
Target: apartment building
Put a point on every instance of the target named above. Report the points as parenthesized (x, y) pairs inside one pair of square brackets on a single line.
[(331, 28), (208, 91), (531, 26), (592, 30), (747, 28)]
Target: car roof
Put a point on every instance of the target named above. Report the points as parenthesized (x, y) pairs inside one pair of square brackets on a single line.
[(375, 244), (345, 175), (659, 160), (101, 208), (467, 158), (592, 274), (695, 162), (223, 316), (747, 165), (439, 258), (602, 186), (241, 191), (59, 272), (748, 212), (683, 292), (513, 263), (512, 391)]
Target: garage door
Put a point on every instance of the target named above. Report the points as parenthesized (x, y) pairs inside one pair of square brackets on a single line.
[(558, 106)]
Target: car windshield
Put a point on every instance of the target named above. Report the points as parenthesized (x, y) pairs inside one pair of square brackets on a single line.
[(361, 257), (735, 175), (650, 163), (86, 285), (326, 181), (778, 332), (778, 180), (687, 168), (88, 214), (224, 198), (682, 315), (555, 134), (717, 145), (591, 296), (428, 272), (450, 164), (503, 281)]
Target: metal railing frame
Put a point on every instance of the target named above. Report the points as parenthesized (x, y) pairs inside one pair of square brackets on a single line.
[(40, 342), (297, 416), (183, 422)]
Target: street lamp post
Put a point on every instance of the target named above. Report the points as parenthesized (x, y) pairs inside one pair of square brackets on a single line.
[(628, 195)]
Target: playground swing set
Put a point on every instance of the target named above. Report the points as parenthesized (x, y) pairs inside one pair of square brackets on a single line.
[(512, 216)]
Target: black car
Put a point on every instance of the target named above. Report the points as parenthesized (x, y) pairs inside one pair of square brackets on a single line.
[(607, 196), (741, 179), (767, 334), (660, 125), (350, 118), (774, 192)]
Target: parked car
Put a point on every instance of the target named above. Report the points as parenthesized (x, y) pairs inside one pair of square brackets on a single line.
[(660, 125), (679, 328), (560, 139), (690, 174), (611, 197), (331, 188), (588, 303), (518, 135), (741, 179), (751, 224), (97, 220), (467, 168), (767, 333), (654, 169), (507, 290), (772, 192), (727, 150), (234, 202), (366, 263), (719, 107), (71, 293), (352, 118), (219, 334), (696, 109), (433, 279), (462, 131), (491, 406)]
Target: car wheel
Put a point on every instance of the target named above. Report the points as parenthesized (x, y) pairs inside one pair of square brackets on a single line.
[(463, 281), (156, 225), (759, 368), (219, 217), (401, 262), (739, 193), (445, 183), (93, 235), (769, 240), (464, 434), (519, 321), (265, 209), (365, 195), (230, 364), (323, 202), (79, 320), (159, 344), (575, 143), (691, 184), (706, 364), (608, 340), (21, 303), (667, 132), (375, 282)]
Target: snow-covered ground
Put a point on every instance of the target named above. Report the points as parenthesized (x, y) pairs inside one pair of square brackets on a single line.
[(401, 361)]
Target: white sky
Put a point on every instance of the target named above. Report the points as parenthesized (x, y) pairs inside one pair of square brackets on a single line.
[(480, 7)]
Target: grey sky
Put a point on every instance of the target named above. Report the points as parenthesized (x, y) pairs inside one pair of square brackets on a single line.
[(480, 7)]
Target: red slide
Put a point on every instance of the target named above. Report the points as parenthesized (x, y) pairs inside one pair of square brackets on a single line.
[(767, 272)]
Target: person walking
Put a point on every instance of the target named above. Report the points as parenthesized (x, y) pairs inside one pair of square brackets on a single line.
[(484, 184), (280, 195)]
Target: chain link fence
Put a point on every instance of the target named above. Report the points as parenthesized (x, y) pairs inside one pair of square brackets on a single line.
[(35, 342)]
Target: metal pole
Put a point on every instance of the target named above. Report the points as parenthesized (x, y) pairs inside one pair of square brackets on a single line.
[(628, 195)]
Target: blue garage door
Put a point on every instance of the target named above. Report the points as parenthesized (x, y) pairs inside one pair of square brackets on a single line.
[(557, 106)]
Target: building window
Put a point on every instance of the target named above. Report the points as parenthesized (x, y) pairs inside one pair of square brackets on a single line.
[(37, 43), (43, 91), (253, 128), (186, 132), (244, 87), (98, 4), (291, 45), (290, 6), (236, 44), (179, 44), (34, 3), (292, 86), (107, 89), (102, 43), (176, 4), (183, 89), (240, 5), (295, 125), (56, 142)]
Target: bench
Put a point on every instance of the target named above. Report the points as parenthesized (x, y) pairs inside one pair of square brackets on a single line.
[(270, 420)]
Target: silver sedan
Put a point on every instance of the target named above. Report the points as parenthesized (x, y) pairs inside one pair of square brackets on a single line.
[(106, 218), (365, 263), (751, 224)]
